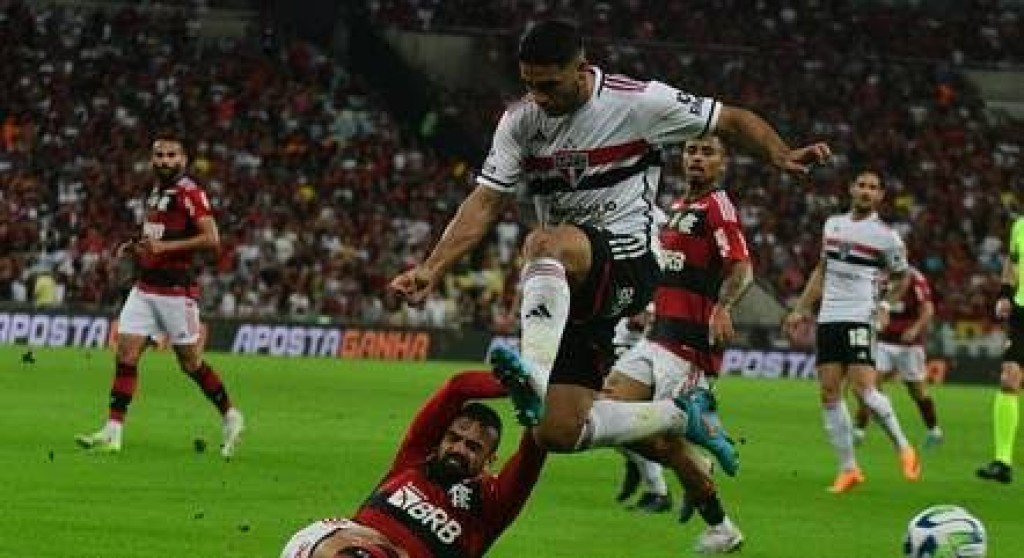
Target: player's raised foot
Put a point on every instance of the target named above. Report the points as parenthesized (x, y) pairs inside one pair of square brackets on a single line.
[(511, 371), (720, 539), (231, 430), (653, 503), (106, 440), (910, 464), (996, 471), (933, 439), (846, 481), (705, 429), (630, 482)]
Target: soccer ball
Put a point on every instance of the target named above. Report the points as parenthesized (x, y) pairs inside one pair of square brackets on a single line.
[(945, 531)]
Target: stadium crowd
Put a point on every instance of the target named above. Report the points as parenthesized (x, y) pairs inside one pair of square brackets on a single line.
[(880, 82), (322, 195)]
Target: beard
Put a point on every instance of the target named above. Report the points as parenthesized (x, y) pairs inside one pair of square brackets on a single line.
[(167, 175), (448, 469)]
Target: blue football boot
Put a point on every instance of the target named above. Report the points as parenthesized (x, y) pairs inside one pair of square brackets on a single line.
[(705, 429), (512, 372)]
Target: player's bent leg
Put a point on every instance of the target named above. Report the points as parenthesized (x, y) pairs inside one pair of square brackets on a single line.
[(926, 407), (622, 387), (565, 417), (690, 468), (108, 439), (232, 421)]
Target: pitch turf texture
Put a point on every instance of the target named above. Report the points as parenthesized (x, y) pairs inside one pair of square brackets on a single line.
[(320, 433)]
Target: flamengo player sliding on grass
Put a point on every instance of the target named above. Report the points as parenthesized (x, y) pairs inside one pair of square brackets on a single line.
[(856, 247), (584, 146), (437, 500), (163, 301)]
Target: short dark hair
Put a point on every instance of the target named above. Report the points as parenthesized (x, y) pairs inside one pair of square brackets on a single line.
[(171, 133), (486, 416), (869, 170), (554, 41)]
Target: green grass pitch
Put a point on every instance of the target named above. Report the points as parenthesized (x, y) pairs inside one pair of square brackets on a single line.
[(321, 431)]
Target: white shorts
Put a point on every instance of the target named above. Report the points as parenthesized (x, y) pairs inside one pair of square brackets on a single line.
[(303, 543), (908, 360), (666, 372), (150, 314)]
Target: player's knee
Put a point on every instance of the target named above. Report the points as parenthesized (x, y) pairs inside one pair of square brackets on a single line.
[(128, 355), (190, 364), (541, 243), (829, 396), (558, 438)]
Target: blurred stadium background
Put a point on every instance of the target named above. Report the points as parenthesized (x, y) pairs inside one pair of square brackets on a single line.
[(336, 138)]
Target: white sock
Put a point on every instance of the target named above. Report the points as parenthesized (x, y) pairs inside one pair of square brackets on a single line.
[(881, 407), (840, 432), (650, 472), (543, 313), (614, 423)]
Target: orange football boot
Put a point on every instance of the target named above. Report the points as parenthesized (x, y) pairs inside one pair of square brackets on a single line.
[(846, 481), (910, 464)]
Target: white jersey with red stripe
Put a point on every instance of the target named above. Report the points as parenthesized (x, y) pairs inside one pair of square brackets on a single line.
[(600, 165), (855, 253)]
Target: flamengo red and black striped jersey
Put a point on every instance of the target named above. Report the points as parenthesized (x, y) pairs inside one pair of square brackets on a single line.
[(172, 214), (700, 237), (600, 165), (463, 520), (908, 310)]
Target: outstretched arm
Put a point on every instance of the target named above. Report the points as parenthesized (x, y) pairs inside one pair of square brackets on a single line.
[(516, 480), (472, 221), (437, 413), (753, 133)]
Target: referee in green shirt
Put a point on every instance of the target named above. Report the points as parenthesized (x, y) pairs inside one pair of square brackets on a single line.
[(1005, 414)]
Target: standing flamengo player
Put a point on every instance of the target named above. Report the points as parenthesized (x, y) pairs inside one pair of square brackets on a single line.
[(706, 269), (900, 350), (178, 224)]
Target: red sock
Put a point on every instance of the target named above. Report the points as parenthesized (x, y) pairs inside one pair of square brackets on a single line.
[(209, 381), (927, 408), (126, 379)]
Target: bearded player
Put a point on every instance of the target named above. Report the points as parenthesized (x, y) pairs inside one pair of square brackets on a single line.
[(437, 499), (178, 224)]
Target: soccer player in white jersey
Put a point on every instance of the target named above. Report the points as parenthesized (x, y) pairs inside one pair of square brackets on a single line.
[(583, 145), (856, 247)]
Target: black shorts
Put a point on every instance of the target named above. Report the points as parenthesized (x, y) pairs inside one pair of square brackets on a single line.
[(846, 343), (1014, 351), (613, 289)]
